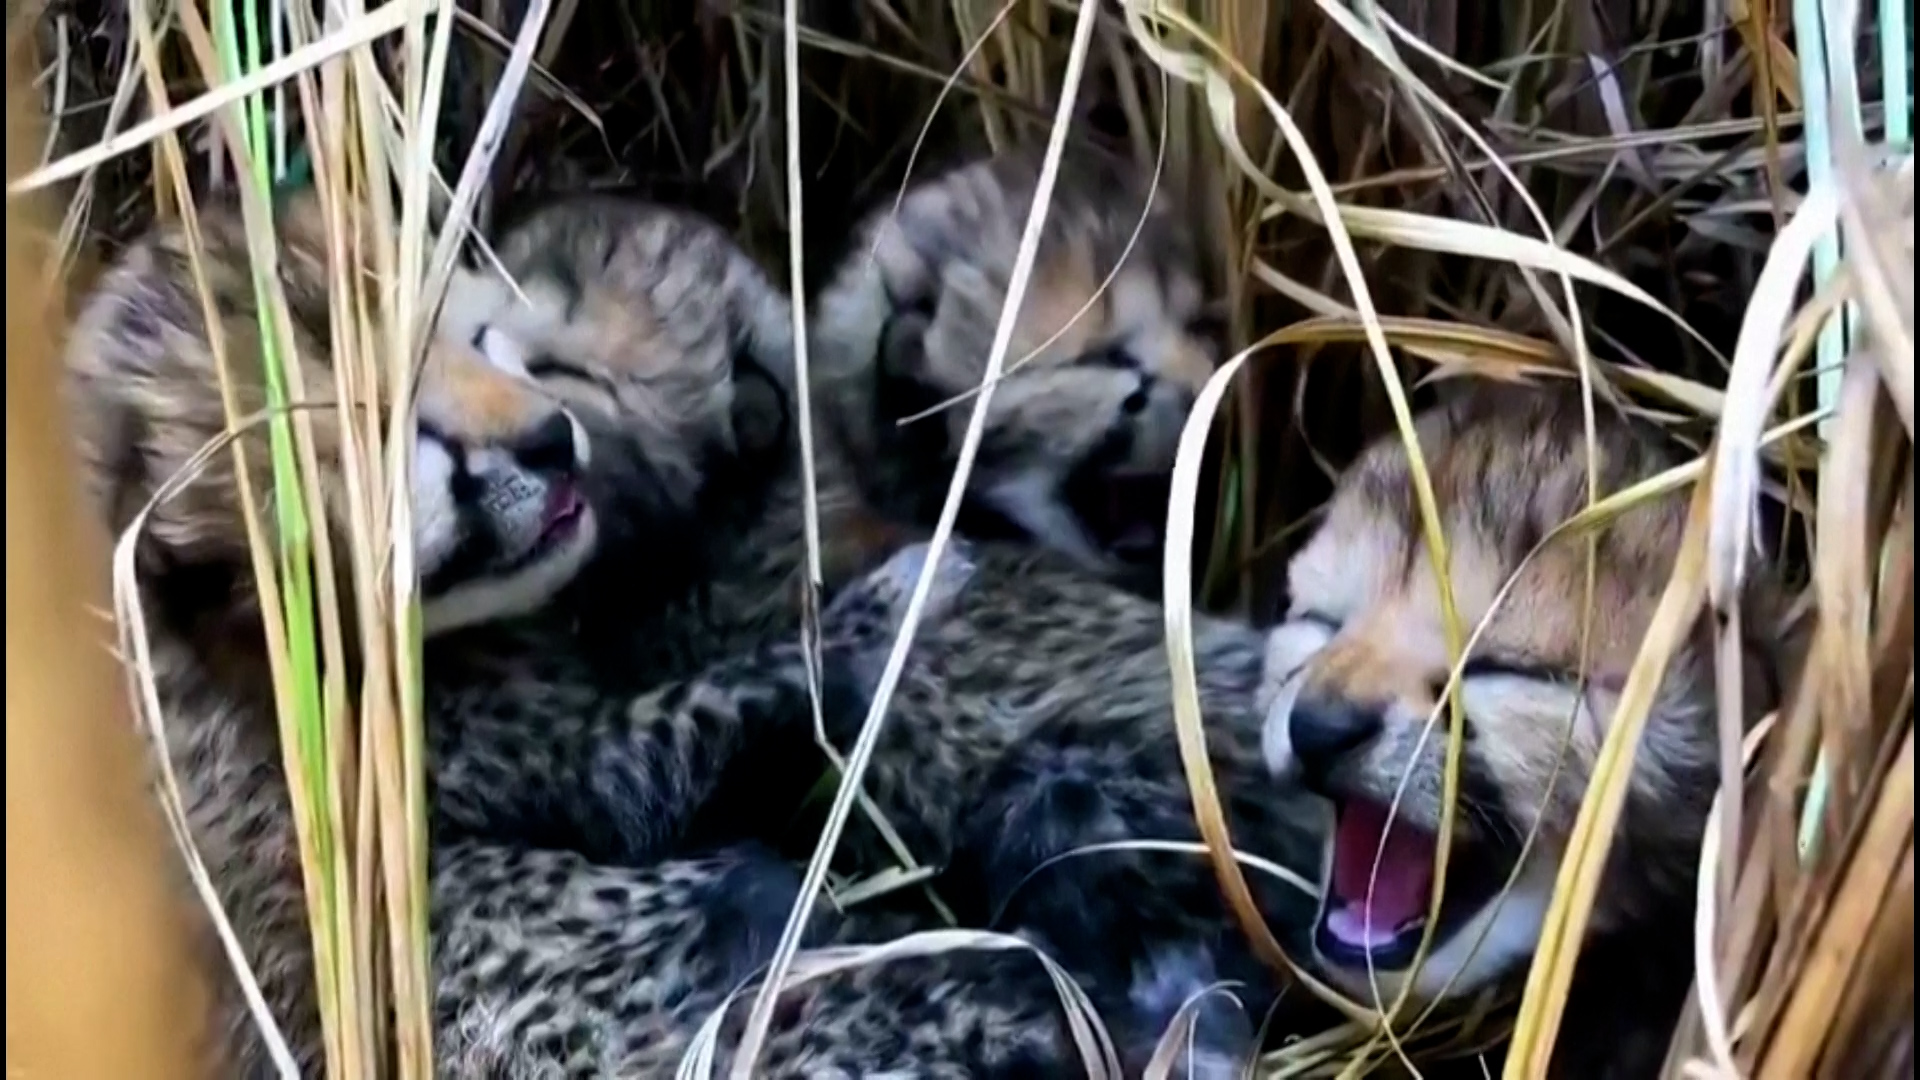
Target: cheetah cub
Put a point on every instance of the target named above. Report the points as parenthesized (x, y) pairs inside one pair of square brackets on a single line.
[(1361, 664), (545, 961)]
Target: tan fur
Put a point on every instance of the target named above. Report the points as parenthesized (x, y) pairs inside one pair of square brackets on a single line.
[(141, 341), (1043, 654), (643, 317), (144, 386), (569, 934), (651, 320), (1365, 631), (1099, 373)]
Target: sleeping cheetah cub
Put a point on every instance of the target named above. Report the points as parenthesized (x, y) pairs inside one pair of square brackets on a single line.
[(546, 962), (1043, 637), (1112, 344)]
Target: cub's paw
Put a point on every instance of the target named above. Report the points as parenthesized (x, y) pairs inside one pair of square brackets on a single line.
[(869, 610), (1179, 980), (896, 578)]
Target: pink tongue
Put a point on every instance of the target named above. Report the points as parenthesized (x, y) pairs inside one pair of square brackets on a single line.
[(1404, 882), (562, 503)]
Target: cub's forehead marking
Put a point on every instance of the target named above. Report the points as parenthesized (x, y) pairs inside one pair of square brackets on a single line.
[(1506, 478), (1353, 558)]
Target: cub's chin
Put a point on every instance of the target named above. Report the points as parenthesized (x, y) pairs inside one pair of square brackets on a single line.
[(521, 582)]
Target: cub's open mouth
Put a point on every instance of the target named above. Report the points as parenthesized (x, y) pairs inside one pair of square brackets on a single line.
[(566, 510), (1382, 925), (566, 517)]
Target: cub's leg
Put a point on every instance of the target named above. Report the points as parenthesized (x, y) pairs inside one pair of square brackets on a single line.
[(1057, 843), (551, 763), (549, 966)]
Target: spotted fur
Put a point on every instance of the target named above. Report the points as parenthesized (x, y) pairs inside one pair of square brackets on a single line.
[(1361, 663), (1033, 722), (1080, 441), (599, 940), (1112, 343), (547, 963), (1047, 669)]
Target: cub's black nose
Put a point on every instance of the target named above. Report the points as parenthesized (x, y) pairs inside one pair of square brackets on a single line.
[(1324, 731), (549, 447)]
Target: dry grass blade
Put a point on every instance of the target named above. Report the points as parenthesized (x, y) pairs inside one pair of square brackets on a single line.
[(1709, 996), (1179, 1036), (131, 624), (796, 277), (1096, 296), (355, 35), (1188, 722), (1083, 1022), (1880, 266), (1752, 390), (1427, 232), (1858, 683), (480, 160), (1459, 157), (1736, 481), (541, 75), (1567, 325), (1465, 350), (352, 756), (313, 706), (1181, 510), (947, 85), (1579, 879), (1816, 994), (130, 617), (761, 1018), (1271, 869), (1795, 951)]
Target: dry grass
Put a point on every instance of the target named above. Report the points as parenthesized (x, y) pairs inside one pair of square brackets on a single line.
[(1389, 194)]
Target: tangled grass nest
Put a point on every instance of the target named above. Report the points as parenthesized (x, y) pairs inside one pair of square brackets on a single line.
[(1674, 203)]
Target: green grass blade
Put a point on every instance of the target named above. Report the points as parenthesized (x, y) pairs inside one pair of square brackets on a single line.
[(295, 531)]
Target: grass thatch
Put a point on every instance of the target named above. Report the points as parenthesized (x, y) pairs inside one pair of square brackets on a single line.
[(1388, 194)]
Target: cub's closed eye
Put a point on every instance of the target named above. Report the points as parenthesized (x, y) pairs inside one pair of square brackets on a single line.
[(1479, 668), (546, 367), (576, 384), (1487, 667), (1493, 667), (1325, 622)]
